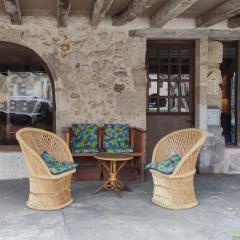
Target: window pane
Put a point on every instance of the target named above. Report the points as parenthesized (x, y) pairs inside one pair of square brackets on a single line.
[(152, 104), (174, 56), (185, 72), (152, 88), (153, 70), (163, 104), (153, 56), (185, 89), (163, 72), (163, 88), (184, 105), (185, 56), (26, 100), (173, 104), (163, 56), (174, 89), (174, 73)]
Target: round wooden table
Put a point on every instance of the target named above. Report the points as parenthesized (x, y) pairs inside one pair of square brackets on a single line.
[(109, 162)]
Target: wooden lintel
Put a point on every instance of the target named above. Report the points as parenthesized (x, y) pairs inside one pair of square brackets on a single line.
[(136, 8), (187, 34), (99, 11), (13, 9), (234, 22), (63, 9), (222, 12), (171, 10)]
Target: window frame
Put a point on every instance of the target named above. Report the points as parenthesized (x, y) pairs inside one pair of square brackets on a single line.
[(173, 45)]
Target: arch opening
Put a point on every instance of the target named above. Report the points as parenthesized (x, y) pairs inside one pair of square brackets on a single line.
[(27, 95)]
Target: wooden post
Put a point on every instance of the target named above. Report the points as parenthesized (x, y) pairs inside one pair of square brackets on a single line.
[(14, 11), (63, 8), (99, 11)]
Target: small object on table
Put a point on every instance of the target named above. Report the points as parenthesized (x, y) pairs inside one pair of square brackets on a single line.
[(109, 162)]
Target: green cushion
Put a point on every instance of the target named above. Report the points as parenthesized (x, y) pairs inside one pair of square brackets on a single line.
[(119, 150), (55, 166), (116, 136), (84, 137), (85, 150), (166, 166)]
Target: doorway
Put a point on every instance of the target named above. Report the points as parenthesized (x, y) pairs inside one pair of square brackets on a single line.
[(170, 89), (27, 96), (229, 92)]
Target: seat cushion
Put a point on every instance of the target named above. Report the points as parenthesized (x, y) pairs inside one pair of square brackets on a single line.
[(119, 150), (55, 166), (166, 166), (85, 150), (84, 137), (116, 136)]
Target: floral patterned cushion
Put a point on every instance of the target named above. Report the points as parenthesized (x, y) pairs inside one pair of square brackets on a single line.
[(166, 166), (116, 136), (119, 150), (55, 166), (85, 138)]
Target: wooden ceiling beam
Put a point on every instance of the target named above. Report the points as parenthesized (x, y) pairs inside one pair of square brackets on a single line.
[(99, 11), (171, 10), (188, 34), (136, 8), (13, 9), (222, 12), (63, 9), (234, 22)]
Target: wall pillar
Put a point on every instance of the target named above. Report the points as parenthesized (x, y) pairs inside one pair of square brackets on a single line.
[(201, 66), (208, 77)]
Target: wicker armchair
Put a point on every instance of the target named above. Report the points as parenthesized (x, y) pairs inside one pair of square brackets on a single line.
[(176, 191), (47, 191)]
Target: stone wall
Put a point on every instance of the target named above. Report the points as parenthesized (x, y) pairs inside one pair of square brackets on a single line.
[(99, 76), (99, 73)]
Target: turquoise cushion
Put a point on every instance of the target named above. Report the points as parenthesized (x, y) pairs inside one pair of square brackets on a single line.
[(166, 166), (55, 166), (116, 136), (84, 137), (85, 150), (119, 150)]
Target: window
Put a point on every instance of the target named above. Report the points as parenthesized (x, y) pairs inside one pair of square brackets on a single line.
[(169, 78), (26, 96)]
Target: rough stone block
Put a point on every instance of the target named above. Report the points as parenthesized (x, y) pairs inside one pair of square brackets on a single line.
[(215, 52)]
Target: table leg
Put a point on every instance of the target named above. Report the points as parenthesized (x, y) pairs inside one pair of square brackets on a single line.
[(113, 183), (104, 185)]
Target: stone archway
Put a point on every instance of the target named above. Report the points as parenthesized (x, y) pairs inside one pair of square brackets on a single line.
[(19, 47)]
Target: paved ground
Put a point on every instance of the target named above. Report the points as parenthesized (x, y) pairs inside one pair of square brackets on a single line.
[(134, 217)]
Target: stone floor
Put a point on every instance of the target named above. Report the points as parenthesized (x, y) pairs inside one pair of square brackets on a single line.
[(132, 217)]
